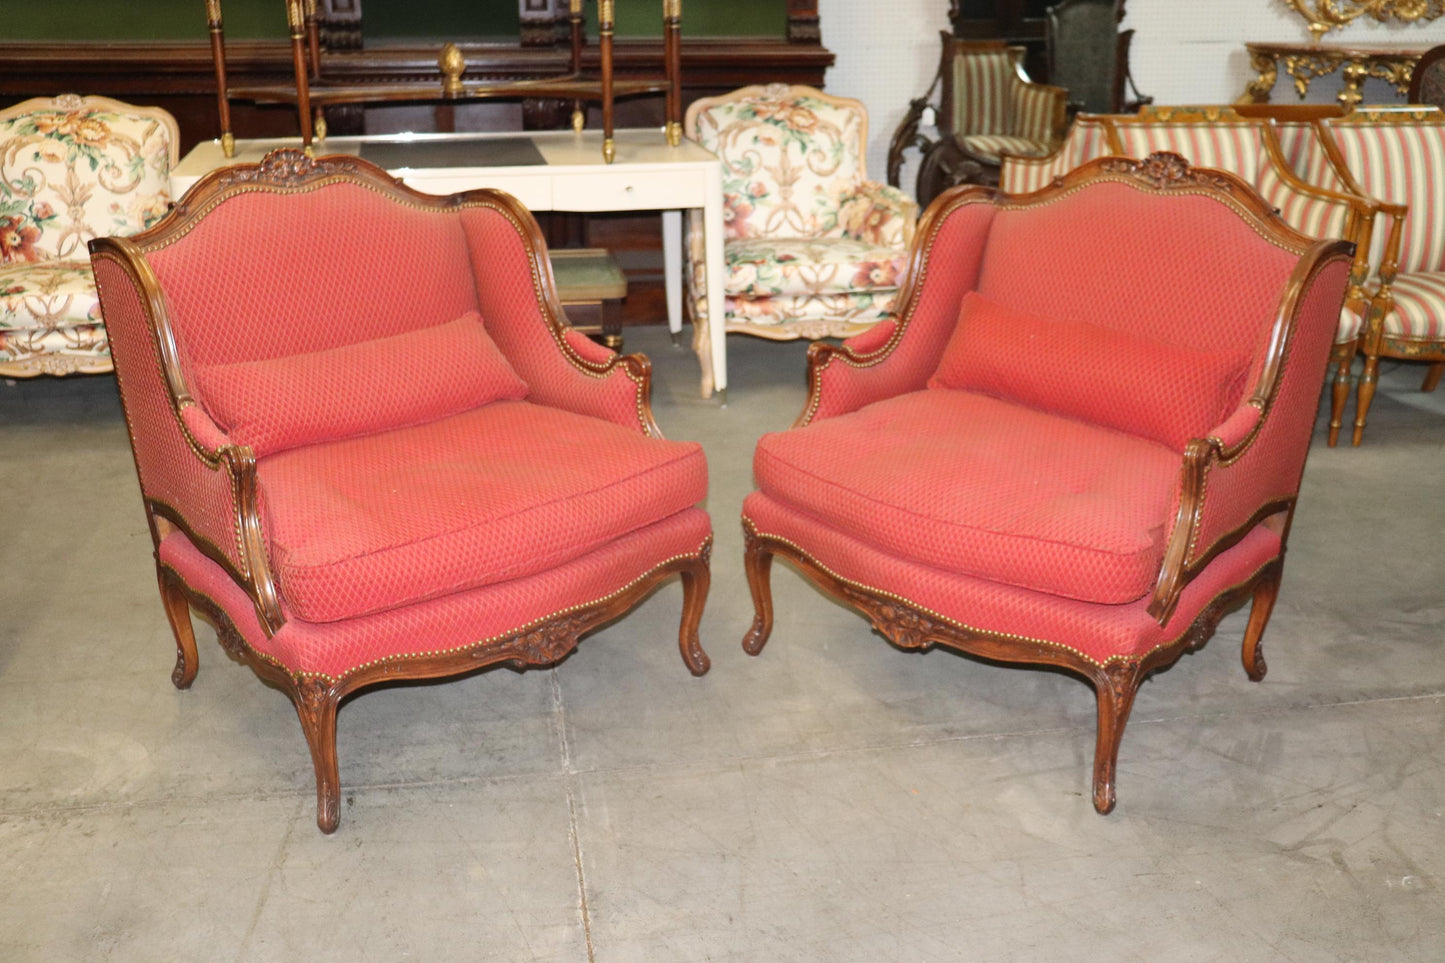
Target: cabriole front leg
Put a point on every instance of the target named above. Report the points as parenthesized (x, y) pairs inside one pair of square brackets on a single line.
[(316, 703), (1252, 654), (758, 562), (1115, 685), (178, 613), (696, 579)]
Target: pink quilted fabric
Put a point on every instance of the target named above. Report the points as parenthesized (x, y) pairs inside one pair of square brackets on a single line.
[(1097, 632), (501, 492), (983, 487), (357, 389), (235, 293), (1098, 375), (335, 649)]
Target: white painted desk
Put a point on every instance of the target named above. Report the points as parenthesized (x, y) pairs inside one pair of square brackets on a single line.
[(647, 175)]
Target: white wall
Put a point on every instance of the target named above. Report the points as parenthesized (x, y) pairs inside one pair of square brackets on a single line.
[(1185, 51)]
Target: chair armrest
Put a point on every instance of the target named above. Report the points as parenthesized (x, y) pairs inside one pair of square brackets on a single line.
[(191, 475), (1041, 111), (898, 356), (878, 214), (1248, 469), (517, 296)]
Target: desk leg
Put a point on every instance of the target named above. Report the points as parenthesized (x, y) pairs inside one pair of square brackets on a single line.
[(672, 242), (712, 218)]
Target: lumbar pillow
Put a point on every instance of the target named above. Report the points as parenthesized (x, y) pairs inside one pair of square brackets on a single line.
[(1090, 372), (357, 389)]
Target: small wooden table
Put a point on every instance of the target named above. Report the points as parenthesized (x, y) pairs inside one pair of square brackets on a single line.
[(1306, 61), (550, 170), (587, 279)]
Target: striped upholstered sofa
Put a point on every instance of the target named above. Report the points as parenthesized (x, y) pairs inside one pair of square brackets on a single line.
[(1398, 157), (987, 108)]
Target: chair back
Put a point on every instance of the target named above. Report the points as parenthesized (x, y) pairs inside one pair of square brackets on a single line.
[(363, 259), (1427, 80), (1399, 156), (790, 154), (979, 80), (1082, 39), (1087, 139), (73, 168), (1193, 259)]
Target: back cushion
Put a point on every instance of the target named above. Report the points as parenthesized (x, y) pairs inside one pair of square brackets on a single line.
[(1095, 374), (1230, 147), (265, 275), (1182, 269), (982, 85), (406, 379)]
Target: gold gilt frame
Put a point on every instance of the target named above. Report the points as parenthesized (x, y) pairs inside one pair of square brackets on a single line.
[(1326, 15)]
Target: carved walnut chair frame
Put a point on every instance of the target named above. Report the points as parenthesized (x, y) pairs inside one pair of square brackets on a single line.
[(844, 378), (227, 476)]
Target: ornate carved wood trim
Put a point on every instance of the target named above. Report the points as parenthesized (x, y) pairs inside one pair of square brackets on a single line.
[(911, 626)]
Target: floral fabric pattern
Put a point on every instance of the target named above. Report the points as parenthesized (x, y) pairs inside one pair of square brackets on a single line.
[(71, 169), (809, 240)]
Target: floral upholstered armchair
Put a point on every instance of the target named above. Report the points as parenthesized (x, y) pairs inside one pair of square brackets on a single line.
[(813, 248), (71, 168)]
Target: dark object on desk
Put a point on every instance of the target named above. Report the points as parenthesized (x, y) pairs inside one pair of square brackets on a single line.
[(436, 152)]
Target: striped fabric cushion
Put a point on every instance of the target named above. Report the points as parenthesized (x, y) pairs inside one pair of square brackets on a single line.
[(1232, 147), (1085, 141), (982, 85), (1419, 307), (1033, 111), (993, 146), (1351, 324), (1403, 163)]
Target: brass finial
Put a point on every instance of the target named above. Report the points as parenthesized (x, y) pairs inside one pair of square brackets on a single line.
[(674, 133), (453, 65), (228, 144), (609, 150), (579, 119)]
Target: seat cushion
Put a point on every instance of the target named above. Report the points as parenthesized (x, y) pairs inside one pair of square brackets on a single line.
[(994, 146), (362, 388), (371, 523), (771, 267), (984, 487), (1419, 312), (1098, 374), (50, 307)]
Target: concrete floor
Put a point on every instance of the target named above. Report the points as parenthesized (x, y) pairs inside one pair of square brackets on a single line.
[(832, 799)]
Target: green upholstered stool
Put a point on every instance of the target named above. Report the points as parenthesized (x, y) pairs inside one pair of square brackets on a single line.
[(589, 285)]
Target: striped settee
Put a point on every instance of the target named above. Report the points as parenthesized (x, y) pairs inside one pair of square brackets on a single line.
[(1398, 157)]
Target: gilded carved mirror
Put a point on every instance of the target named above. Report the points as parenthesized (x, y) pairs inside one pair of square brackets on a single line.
[(1326, 15)]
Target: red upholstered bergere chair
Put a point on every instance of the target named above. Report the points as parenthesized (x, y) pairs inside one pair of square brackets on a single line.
[(369, 447), (1079, 457)]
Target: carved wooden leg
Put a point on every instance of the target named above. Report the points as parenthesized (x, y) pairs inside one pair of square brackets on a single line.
[(1115, 686), (178, 613), (758, 562), (1339, 395), (1432, 377), (1368, 380), (316, 704), (1253, 654), (695, 582)]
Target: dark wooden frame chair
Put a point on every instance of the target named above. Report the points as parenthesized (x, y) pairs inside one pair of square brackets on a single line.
[(1098, 77)]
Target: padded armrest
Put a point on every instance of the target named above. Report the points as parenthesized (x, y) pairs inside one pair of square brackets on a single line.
[(943, 265), (878, 214), (518, 300), (190, 473), (1249, 467)]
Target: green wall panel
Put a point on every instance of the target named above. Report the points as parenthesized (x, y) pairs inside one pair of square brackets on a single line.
[(384, 19)]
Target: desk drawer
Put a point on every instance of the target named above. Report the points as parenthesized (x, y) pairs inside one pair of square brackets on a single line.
[(627, 190)]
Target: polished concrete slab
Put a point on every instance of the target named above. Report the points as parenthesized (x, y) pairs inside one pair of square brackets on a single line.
[(831, 799)]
